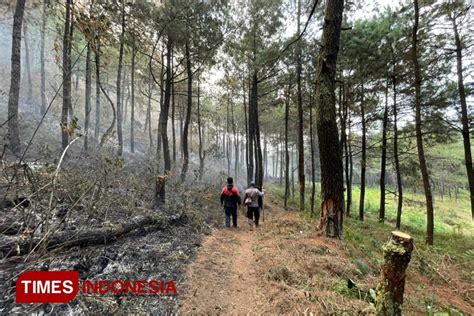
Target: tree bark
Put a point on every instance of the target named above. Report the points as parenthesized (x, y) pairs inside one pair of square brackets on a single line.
[(42, 59), (301, 175), (363, 161), (383, 160), (97, 88), (187, 121), (464, 114), (67, 104), (164, 113), (419, 135), (396, 156), (132, 102), (287, 154), (332, 190), (397, 255), (15, 78), (119, 84), (29, 97), (88, 93)]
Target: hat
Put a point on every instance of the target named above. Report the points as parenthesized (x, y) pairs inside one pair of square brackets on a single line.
[(252, 184), (230, 180)]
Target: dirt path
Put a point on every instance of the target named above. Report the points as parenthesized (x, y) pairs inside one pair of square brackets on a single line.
[(223, 278)]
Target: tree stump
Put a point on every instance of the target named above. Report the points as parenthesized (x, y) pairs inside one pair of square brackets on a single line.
[(160, 190), (397, 255)]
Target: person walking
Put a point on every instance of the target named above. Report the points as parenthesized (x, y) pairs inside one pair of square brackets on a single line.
[(252, 199), (230, 199)]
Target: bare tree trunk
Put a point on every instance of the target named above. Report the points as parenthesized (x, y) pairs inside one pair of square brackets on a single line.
[(164, 113), (313, 163), (119, 85), (287, 154), (87, 110), (187, 121), (42, 60), (173, 111), (27, 63), (464, 115), (15, 78), (363, 161), (396, 157), (383, 159), (419, 135), (301, 175), (66, 75), (332, 189), (97, 88), (132, 105)]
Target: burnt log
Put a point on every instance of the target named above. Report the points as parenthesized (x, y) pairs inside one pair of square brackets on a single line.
[(397, 254), (17, 246)]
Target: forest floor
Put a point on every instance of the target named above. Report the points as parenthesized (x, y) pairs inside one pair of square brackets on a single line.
[(285, 267)]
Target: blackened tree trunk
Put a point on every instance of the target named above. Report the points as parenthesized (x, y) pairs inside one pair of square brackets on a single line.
[(396, 155), (15, 78), (67, 104), (87, 110), (332, 190), (251, 138), (119, 85), (42, 61), (464, 114), (187, 121), (132, 102), (299, 98), (419, 135), (383, 159), (363, 161), (163, 119)]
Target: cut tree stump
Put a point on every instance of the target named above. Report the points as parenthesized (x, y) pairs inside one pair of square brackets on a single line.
[(397, 254), (17, 246)]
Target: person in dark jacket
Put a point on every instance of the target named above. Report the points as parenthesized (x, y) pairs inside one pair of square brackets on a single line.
[(230, 199)]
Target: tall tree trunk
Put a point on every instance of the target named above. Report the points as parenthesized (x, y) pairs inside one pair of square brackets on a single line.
[(27, 63), (67, 104), (119, 85), (347, 155), (164, 113), (246, 132), (251, 139), (301, 178), (383, 159), (419, 135), (148, 114), (313, 163), (42, 60), (363, 161), (97, 88), (464, 115), (201, 145), (173, 110), (287, 154), (396, 157), (87, 110), (187, 121), (15, 78), (132, 105), (332, 189)]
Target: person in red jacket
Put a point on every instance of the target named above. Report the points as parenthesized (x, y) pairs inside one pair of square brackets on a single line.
[(230, 199)]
